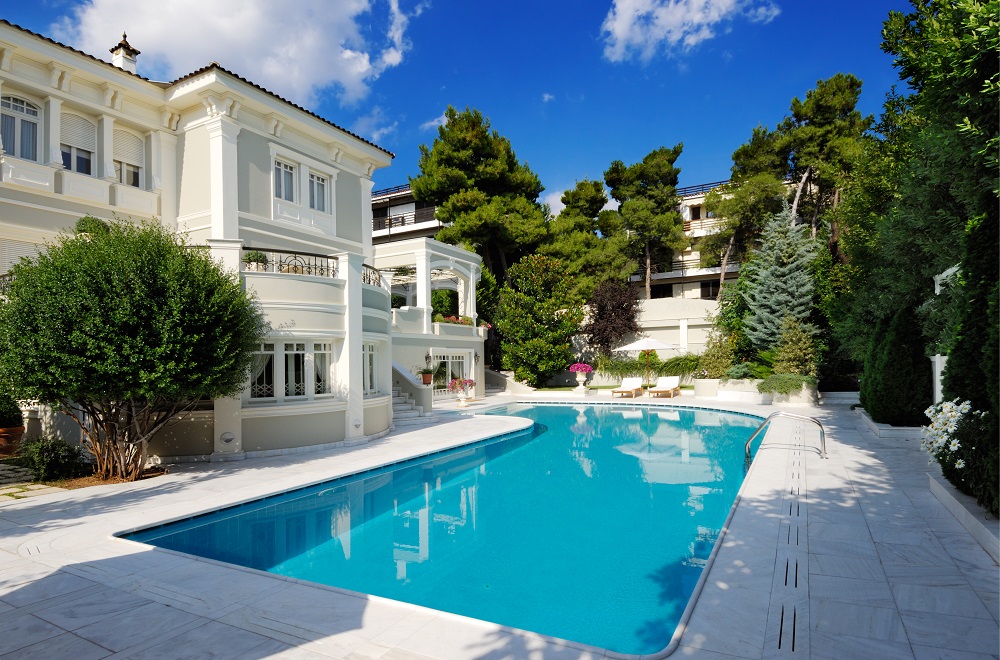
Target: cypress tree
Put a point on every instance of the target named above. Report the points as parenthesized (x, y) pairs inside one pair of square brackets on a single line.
[(896, 385)]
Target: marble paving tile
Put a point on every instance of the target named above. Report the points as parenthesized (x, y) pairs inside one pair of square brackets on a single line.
[(91, 608), (846, 567), (931, 653), (931, 554), (957, 633), (839, 532), (211, 640), (25, 630), (745, 614), (141, 623), (440, 639), (825, 646), (846, 590), (66, 645), (836, 547), (958, 600), (50, 586), (840, 618)]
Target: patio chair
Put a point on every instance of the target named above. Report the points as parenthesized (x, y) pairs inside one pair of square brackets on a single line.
[(669, 385), (629, 386)]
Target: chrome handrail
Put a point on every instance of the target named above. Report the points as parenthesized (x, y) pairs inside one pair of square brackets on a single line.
[(782, 413)]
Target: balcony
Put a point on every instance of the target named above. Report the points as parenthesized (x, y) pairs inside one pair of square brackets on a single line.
[(288, 263)]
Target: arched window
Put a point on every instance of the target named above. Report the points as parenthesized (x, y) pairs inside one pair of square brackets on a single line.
[(19, 127)]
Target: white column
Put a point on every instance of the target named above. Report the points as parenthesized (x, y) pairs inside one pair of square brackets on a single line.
[(684, 334), (473, 281), (52, 154), (167, 183), (350, 365), (423, 259), (106, 147), (222, 133), (366, 217), (227, 431)]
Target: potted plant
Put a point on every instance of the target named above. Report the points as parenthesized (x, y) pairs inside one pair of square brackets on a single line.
[(461, 387), (426, 375), (11, 422), (255, 260), (581, 369)]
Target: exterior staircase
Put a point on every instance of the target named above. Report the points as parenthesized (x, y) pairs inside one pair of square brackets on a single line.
[(407, 413)]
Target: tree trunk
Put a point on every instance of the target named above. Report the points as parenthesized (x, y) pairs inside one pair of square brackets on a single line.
[(649, 269), (725, 260), (798, 194)]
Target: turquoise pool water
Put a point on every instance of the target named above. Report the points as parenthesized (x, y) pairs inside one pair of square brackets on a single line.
[(594, 526)]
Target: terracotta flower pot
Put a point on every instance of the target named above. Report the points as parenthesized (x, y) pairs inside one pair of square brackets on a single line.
[(427, 378)]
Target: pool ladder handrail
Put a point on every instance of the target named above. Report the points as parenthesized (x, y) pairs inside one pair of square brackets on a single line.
[(782, 413)]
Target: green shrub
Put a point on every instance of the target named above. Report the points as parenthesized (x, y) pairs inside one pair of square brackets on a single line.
[(10, 412), (796, 352), (718, 357), (617, 367), (88, 224), (739, 371), (784, 383), (896, 385), (254, 257), (52, 458)]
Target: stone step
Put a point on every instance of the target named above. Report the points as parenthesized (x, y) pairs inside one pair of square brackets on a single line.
[(405, 414), (415, 421)]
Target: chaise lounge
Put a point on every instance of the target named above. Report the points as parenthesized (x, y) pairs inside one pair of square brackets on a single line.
[(669, 385), (629, 386)]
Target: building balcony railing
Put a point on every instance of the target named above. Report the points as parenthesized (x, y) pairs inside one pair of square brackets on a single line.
[(404, 219), (291, 263)]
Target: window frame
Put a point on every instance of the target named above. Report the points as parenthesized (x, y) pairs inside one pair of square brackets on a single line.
[(302, 365), (286, 179), (20, 117), (74, 158), (316, 181)]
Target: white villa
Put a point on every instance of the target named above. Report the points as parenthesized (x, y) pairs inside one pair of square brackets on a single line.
[(280, 196)]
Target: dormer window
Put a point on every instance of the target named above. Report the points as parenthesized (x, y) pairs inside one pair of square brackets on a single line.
[(19, 127)]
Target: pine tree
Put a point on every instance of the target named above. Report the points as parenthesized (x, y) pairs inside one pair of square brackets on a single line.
[(780, 282)]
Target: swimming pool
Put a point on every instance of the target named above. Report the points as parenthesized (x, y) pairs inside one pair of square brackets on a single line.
[(594, 526)]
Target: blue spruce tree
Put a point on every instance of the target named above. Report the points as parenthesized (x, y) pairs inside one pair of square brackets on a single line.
[(780, 284)]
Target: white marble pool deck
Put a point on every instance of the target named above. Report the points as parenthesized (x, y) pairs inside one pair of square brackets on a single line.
[(849, 557)]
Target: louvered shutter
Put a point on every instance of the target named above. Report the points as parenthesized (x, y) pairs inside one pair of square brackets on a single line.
[(78, 132), (12, 251), (129, 148)]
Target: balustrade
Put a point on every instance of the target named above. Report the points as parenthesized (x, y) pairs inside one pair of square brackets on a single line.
[(288, 262)]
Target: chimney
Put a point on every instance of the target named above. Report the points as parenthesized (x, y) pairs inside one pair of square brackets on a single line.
[(124, 55)]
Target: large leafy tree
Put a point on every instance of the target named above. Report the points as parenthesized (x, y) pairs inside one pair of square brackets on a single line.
[(486, 197), (743, 207), (575, 238), (648, 211), (123, 330), (537, 319), (613, 315)]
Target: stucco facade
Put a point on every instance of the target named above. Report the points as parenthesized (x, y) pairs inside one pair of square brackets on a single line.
[(239, 169)]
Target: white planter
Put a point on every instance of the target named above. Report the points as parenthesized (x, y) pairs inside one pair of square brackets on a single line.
[(581, 378), (807, 396), (742, 391), (706, 387)]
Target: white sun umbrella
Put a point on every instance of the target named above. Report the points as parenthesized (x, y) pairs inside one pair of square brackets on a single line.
[(645, 344)]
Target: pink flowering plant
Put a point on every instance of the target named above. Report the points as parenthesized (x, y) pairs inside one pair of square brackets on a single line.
[(463, 385), (581, 368)]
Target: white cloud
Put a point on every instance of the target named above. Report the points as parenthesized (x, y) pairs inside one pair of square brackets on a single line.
[(548, 97), (440, 120), (554, 200), (642, 28), (295, 49), (374, 125)]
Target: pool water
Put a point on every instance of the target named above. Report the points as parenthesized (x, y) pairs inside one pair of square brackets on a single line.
[(593, 526)]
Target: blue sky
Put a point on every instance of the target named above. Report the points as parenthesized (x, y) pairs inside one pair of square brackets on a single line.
[(573, 85)]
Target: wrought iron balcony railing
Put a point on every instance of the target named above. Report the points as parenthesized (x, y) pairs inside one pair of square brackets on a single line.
[(288, 262)]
